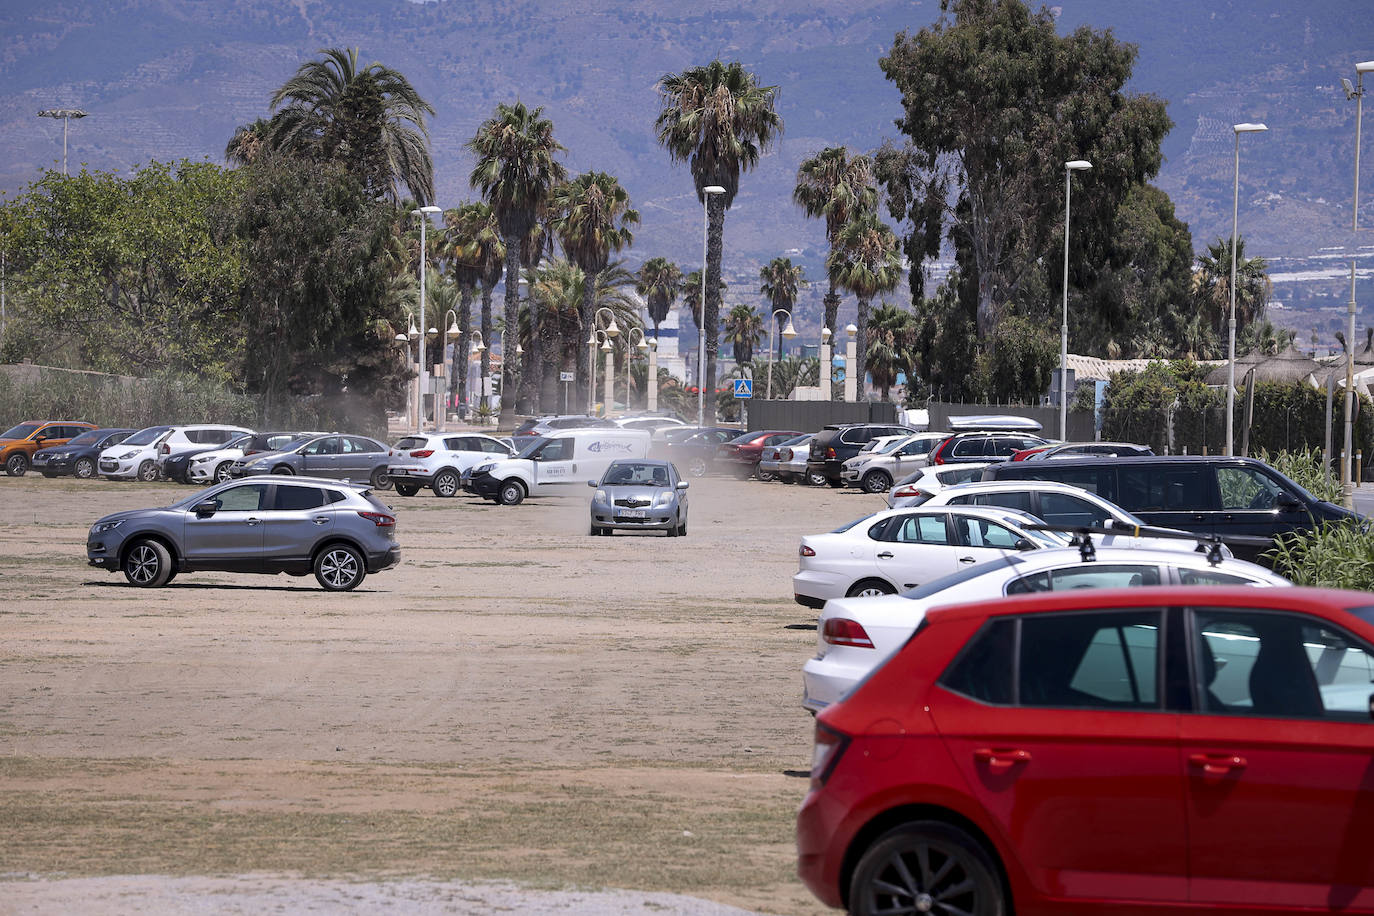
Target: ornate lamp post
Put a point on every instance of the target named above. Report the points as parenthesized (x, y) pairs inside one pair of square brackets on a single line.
[(788, 332)]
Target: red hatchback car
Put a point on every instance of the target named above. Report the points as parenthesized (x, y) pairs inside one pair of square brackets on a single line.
[(742, 453), (1163, 750)]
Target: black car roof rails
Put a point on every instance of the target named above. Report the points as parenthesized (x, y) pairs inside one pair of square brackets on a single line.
[(1210, 544)]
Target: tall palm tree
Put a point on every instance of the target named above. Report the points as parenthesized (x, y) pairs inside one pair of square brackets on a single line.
[(660, 283), (779, 282), (891, 346), (592, 218), (719, 119), (837, 187), (371, 120), (516, 171), (477, 253), (864, 260), (250, 142), (743, 328), (1212, 286)]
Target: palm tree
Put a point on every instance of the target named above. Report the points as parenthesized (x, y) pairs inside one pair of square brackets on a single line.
[(592, 218), (864, 260), (743, 328), (515, 171), (779, 282), (370, 120), (719, 119), (477, 253), (659, 282), (791, 372), (891, 346), (837, 187), (250, 142), (1212, 286)]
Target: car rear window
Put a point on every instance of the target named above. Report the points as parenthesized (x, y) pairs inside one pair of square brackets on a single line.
[(413, 442), (291, 497)]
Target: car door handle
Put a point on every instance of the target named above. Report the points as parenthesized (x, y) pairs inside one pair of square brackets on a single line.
[(1199, 517), (966, 560), (885, 555), (250, 522), (320, 519), (1001, 757), (1217, 764)]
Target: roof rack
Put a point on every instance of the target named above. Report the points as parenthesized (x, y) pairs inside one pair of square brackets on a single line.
[(1210, 544)]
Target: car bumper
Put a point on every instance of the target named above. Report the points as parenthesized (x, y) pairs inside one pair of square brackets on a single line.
[(813, 588), (653, 520), (119, 469), (850, 476), (485, 485), (46, 465), (200, 473), (826, 679), (822, 838), (422, 476), (830, 468), (383, 559)]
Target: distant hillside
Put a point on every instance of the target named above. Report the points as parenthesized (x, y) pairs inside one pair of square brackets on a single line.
[(173, 78)]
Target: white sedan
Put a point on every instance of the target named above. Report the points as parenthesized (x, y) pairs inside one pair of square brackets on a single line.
[(897, 549), (855, 635), (929, 479)]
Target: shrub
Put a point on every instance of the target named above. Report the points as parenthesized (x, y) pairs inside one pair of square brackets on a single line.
[(1335, 555)]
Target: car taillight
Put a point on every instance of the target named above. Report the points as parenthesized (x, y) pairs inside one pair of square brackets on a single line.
[(422, 453), (380, 519), (939, 456), (841, 631), (166, 449), (805, 551), (903, 492), (826, 752), (784, 454), (830, 452)]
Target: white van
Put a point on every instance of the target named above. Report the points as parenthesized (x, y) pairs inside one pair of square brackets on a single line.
[(553, 464)]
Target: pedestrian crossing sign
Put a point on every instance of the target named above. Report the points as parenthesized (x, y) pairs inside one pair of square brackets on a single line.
[(744, 388)]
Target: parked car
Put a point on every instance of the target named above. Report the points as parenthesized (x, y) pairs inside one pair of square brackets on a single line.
[(178, 467), (1162, 750), (194, 438), (874, 470), (983, 446), (1077, 449), (213, 466), (438, 460), (78, 456), (840, 441), (337, 456), (856, 635), (1242, 500), (542, 426), (898, 549), (18, 443), (135, 457), (639, 495), (692, 448), (298, 526), (785, 461), (931, 478), (549, 466), (651, 422), (741, 454)]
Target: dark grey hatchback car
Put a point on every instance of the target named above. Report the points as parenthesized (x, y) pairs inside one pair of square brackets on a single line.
[(298, 526)]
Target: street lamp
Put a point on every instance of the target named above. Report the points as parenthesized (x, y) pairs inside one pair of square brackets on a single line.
[(788, 332), (1347, 477), (66, 114), (611, 331), (1073, 165), (641, 346), (826, 370), (479, 347), (441, 414), (1231, 325), (706, 193), (423, 213)]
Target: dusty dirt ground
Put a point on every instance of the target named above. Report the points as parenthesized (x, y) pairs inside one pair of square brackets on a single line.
[(516, 702)]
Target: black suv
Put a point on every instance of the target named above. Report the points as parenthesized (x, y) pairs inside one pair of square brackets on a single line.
[(840, 441), (1241, 499)]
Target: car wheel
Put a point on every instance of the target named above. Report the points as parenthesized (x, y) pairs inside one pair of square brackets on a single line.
[(222, 471), (147, 564), (84, 469), (697, 467), (339, 568), (834, 483), (682, 529), (596, 531), (147, 471), (381, 480), (512, 493), (926, 867), (446, 484), (407, 489), (285, 469), (764, 475), (876, 482), (815, 479), (867, 588), (17, 464)]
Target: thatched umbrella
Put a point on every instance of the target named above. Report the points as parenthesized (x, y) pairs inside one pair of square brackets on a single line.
[(1290, 365)]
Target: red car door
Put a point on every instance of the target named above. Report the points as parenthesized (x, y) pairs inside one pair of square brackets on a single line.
[(1279, 763), (1077, 762)]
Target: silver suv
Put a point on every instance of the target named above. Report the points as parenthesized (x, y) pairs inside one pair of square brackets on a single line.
[(294, 525)]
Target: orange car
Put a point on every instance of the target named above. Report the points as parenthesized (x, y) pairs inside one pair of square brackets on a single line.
[(18, 443)]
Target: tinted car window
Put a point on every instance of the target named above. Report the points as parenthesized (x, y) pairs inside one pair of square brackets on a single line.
[(983, 670), (87, 437), (1093, 660), (1063, 509), (359, 445), (1090, 575), (968, 448), (1159, 488), (1021, 501), (295, 498), (410, 442)]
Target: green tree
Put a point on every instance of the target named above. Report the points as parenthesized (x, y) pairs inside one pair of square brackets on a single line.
[(994, 104), (864, 260), (370, 120), (1016, 363), (472, 239), (719, 119), (835, 186), (1212, 287), (660, 283), (891, 338), (779, 282), (592, 218), (516, 172), (743, 328)]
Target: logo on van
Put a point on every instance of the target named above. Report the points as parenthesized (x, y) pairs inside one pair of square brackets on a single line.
[(601, 446)]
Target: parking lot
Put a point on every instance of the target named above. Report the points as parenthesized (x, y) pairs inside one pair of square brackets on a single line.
[(516, 701)]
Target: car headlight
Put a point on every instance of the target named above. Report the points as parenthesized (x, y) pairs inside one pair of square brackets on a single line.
[(60, 456), (127, 455), (600, 497), (202, 460), (663, 499), (483, 468), (102, 527)]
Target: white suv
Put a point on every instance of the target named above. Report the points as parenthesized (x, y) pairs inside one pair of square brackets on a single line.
[(194, 439), (438, 460), (136, 456)]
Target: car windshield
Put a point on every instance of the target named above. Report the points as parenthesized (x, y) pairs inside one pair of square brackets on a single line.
[(294, 444), (636, 475), (531, 447), (796, 440), (935, 586), (146, 436), (887, 448), (238, 441), (846, 527), (412, 442), (90, 438), (22, 431)]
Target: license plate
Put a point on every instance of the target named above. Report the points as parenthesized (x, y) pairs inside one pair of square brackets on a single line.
[(632, 513), (398, 472)]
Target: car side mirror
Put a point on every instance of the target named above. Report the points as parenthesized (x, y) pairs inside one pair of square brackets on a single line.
[(682, 484), (1288, 502), (592, 484), (206, 509), (1025, 544)]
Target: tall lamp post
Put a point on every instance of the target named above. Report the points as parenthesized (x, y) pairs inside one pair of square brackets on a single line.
[(1347, 473), (479, 347), (611, 331), (1073, 165), (441, 415), (404, 340), (826, 370), (629, 353), (706, 193), (788, 332), (66, 114), (1231, 324), (423, 213)]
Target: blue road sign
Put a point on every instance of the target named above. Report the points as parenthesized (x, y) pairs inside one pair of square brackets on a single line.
[(744, 388)]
